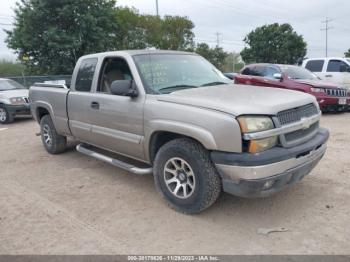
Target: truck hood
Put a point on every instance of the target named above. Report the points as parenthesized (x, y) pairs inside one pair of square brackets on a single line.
[(14, 93), (240, 99), (317, 83)]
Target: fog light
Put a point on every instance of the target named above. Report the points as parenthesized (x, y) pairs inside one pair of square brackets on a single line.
[(268, 184)]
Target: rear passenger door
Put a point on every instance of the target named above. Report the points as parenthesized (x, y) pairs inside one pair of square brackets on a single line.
[(80, 98)]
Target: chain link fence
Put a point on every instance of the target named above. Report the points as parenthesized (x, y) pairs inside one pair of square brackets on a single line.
[(28, 81)]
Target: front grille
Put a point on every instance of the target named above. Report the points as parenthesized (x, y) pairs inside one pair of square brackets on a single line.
[(336, 92), (26, 100), (296, 114), (291, 137)]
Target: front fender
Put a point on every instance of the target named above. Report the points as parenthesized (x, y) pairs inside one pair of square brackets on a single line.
[(196, 132)]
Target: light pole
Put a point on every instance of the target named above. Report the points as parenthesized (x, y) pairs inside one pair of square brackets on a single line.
[(157, 8)]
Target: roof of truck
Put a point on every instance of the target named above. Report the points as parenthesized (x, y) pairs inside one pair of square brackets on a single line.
[(138, 52), (329, 58)]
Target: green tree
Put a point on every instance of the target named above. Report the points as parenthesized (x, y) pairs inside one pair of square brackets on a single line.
[(275, 43), (131, 32), (215, 55), (54, 34), (137, 31), (347, 53)]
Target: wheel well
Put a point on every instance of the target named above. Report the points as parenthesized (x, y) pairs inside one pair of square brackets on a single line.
[(160, 138), (41, 111)]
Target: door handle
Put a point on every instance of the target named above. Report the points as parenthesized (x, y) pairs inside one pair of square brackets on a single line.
[(329, 75), (95, 105)]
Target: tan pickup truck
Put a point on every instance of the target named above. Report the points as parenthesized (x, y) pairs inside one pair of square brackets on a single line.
[(174, 115)]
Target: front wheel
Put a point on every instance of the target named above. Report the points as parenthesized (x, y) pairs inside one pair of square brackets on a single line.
[(5, 116), (53, 142), (185, 176)]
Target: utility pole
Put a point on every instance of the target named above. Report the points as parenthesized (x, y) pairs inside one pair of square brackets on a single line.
[(327, 21), (218, 34), (157, 8)]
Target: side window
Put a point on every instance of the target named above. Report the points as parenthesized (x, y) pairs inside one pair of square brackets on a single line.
[(257, 71), (334, 65), (315, 65), (86, 75), (270, 71), (246, 71), (113, 69)]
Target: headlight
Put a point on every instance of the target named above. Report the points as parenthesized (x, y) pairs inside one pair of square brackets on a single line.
[(317, 90), (255, 123), (17, 101), (251, 124)]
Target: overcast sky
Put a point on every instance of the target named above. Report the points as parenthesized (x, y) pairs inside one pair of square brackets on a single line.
[(233, 19)]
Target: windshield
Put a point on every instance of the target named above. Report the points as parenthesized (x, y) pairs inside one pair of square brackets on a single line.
[(295, 72), (166, 73), (10, 85)]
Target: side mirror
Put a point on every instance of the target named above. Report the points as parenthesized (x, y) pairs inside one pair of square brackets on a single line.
[(124, 88), (278, 76)]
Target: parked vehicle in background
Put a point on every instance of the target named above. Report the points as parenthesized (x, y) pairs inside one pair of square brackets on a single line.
[(332, 69), (328, 95), (13, 101), (230, 75), (181, 119)]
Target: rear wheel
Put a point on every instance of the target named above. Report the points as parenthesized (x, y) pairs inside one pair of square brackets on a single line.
[(53, 142), (5, 116), (185, 176)]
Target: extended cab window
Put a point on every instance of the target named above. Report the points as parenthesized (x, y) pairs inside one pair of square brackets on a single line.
[(315, 65), (113, 69), (86, 75), (335, 66)]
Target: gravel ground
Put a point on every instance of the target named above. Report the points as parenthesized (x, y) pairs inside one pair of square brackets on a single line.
[(72, 204)]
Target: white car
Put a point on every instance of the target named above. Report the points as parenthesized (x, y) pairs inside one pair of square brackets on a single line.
[(332, 69), (13, 101)]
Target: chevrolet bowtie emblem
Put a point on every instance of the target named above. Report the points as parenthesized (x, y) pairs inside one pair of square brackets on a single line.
[(306, 123)]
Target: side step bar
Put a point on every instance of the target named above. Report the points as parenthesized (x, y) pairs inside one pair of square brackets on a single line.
[(115, 162)]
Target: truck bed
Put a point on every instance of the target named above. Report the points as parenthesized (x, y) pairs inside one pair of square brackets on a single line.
[(52, 98)]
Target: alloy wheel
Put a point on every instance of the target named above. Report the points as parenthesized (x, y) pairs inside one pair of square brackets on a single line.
[(179, 178)]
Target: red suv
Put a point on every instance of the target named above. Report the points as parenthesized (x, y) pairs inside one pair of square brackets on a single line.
[(328, 95)]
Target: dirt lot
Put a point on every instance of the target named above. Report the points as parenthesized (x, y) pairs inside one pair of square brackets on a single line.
[(72, 204)]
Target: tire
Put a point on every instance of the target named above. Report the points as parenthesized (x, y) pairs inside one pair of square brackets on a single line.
[(202, 182), (53, 142), (5, 116)]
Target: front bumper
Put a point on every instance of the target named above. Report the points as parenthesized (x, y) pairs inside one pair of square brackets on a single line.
[(263, 174), (16, 110), (333, 104)]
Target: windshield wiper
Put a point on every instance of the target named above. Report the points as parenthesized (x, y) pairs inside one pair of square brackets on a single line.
[(215, 83), (176, 87)]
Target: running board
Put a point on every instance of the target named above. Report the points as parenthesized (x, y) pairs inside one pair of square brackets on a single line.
[(115, 162)]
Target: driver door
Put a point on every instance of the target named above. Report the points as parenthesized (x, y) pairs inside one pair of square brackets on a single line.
[(117, 121)]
